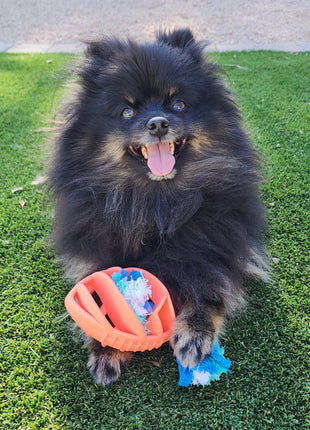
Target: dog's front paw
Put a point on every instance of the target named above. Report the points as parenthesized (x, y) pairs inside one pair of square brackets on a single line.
[(105, 363), (194, 335), (190, 347)]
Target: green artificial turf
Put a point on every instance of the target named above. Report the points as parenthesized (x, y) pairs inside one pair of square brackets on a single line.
[(44, 381)]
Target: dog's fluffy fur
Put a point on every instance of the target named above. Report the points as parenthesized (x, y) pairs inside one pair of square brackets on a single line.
[(198, 225)]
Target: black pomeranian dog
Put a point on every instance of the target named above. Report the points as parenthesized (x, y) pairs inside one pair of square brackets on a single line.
[(153, 170)]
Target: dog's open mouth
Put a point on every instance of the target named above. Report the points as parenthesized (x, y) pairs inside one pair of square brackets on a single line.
[(160, 156)]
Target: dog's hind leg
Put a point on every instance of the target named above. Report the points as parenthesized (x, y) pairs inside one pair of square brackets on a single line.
[(105, 363)]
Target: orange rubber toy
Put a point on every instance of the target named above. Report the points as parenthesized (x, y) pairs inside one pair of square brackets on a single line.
[(100, 309)]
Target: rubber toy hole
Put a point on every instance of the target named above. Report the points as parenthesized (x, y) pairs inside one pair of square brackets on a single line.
[(149, 306), (96, 298), (109, 319)]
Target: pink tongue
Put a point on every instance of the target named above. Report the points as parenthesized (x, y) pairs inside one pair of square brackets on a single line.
[(160, 160)]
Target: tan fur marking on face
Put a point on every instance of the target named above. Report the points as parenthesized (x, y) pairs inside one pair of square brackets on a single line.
[(202, 141), (113, 149), (130, 99), (172, 91)]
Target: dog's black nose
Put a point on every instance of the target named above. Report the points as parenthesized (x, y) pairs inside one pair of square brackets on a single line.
[(158, 126)]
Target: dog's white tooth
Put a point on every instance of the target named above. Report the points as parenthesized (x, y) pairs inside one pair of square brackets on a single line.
[(144, 152), (171, 144)]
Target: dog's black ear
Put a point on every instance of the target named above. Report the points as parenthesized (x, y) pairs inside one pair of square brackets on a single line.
[(106, 49), (99, 55), (176, 38), (102, 50)]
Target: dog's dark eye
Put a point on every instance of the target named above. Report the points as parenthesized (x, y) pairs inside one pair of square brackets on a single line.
[(128, 113), (179, 105)]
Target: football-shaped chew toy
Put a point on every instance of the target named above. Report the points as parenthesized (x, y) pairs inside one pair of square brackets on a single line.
[(99, 308)]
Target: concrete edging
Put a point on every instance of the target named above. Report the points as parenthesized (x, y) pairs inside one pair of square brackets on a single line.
[(79, 47)]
